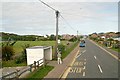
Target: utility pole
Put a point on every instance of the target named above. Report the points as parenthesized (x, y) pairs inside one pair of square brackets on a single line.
[(56, 45), (77, 34), (57, 16)]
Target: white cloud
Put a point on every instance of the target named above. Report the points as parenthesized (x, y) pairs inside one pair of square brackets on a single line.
[(34, 17), (61, 0)]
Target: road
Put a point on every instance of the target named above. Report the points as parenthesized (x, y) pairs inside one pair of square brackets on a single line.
[(93, 62)]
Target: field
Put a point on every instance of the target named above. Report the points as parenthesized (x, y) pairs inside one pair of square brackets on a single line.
[(18, 49), (19, 44)]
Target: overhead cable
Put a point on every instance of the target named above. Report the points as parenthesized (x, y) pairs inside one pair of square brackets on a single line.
[(48, 5)]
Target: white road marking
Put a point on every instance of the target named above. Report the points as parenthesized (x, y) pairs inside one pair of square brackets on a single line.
[(95, 57), (79, 70), (84, 67), (83, 73), (84, 63), (84, 51), (78, 55), (76, 70), (100, 68), (71, 70), (64, 75), (106, 51)]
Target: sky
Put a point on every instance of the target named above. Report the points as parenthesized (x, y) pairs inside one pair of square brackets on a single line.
[(85, 16)]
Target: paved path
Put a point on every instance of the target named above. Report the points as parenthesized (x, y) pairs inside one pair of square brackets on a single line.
[(8, 70), (59, 69)]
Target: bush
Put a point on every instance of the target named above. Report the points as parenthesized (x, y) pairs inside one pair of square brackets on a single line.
[(73, 39), (61, 47), (7, 53), (23, 57), (19, 60), (24, 53)]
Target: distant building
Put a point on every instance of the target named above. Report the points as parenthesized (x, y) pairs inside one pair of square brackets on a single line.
[(94, 35), (67, 36)]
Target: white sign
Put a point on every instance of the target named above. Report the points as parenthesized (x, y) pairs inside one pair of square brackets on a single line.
[(58, 41)]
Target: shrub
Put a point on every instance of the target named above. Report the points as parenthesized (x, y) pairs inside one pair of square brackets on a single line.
[(7, 53), (19, 60), (61, 47), (23, 57), (73, 39), (24, 53)]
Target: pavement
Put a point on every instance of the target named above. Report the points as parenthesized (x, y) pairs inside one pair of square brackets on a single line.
[(8, 70), (59, 69)]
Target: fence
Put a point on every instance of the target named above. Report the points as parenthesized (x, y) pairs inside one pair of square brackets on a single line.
[(17, 73)]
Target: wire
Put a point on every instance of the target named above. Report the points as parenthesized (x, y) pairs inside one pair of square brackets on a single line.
[(56, 13), (48, 5), (67, 22)]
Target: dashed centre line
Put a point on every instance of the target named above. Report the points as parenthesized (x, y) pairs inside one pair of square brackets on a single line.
[(100, 68), (95, 57), (83, 73)]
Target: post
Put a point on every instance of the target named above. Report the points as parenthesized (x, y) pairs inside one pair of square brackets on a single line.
[(38, 63), (17, 76), (77, 35), (35, 64), (56, 45), (31, 68)]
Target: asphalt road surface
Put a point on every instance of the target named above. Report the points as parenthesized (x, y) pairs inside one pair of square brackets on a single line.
[(93, 62)]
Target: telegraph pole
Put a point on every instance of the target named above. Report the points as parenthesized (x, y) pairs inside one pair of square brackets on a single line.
[(56, 45), (57, 16), (77, 34)]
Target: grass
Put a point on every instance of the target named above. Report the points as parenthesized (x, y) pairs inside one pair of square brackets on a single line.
[(40, 73), (117, 50), (18, 49), (69, 49), (18, 46), (11, 63)]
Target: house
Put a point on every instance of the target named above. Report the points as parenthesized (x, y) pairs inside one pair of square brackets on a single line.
[(94, 35), (111, 35), (67, 36)]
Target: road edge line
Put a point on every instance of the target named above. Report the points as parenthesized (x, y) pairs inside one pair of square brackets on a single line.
[(106, 51), (68, 68)]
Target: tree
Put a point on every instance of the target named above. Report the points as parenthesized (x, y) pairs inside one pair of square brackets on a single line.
[(7, 50), (52, 37), (7, 53)]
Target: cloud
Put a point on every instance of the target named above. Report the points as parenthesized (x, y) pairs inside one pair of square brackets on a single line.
[(61, 0), (34, 17)]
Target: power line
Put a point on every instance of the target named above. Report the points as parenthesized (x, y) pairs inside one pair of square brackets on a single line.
[(48, 5), (67, 22)]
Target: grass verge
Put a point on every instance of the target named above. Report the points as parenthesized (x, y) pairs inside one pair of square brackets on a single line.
[(69, 49), (117, 50), (40, 73)]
